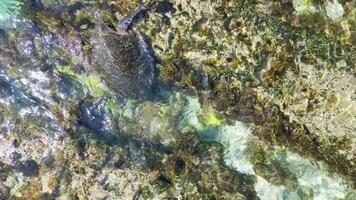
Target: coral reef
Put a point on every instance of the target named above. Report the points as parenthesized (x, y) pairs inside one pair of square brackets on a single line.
[(271, 58), (250, 100)]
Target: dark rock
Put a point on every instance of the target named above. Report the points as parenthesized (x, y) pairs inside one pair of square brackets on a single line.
[(119, 164), (164, 7), (74, 8), (166, 20), (49, 161), (94, 116), (29, 168), (229, 59), (16, 156), (164, 181), (35, 4), (180, 165), (4, 192), (5, 87)]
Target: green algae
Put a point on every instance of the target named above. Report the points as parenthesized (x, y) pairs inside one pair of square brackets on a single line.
[(246, 88), (92, 81), (213, 120), (329, 149), (66, 70), (95, 85)]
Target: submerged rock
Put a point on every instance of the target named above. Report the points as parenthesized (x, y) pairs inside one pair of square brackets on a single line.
[(4, 191), (95, 117), (29, 168), (245, 61), (334, 10), (289, 54)]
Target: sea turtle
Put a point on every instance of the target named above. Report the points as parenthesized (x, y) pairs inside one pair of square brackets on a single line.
[(124, 60)]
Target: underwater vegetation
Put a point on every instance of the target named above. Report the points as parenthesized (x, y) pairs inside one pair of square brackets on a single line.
[(177, 99), (266, 59)]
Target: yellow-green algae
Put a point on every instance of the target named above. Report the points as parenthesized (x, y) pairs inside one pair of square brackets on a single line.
[(92, 82)]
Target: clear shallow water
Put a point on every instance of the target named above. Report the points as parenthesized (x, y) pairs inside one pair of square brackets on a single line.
[(60, 120), (8, 9)]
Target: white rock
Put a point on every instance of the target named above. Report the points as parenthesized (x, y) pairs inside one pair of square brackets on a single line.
[(334, 10)]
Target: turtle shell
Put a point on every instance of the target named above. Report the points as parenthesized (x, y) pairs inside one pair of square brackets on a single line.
[(127, 68), (125, 51)]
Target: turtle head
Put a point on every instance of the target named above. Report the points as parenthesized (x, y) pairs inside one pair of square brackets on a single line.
[(132, 19)]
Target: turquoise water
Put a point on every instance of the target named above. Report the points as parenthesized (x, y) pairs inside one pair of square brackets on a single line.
[(8, 9)]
